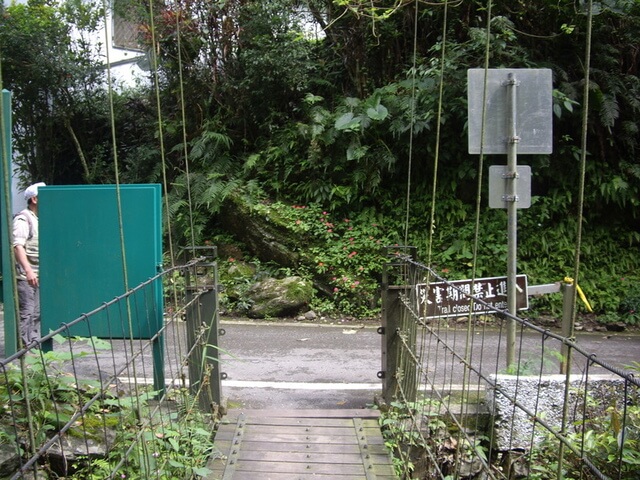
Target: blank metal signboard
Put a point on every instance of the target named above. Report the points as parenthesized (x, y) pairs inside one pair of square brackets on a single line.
[(533, 109), (81, 256), (498, 186)]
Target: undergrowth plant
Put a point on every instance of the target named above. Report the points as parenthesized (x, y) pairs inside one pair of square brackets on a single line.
[(169, 445), (629, 307), (409, 429), (344, 256), (608, 437), (40, 398), (613, 449)]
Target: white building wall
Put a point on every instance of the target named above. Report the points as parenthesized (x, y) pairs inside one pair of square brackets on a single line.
[(125, 72), (125, 63)]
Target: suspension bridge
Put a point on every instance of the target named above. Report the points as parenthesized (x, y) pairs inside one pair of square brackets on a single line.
[(446, 400), (133, 389)]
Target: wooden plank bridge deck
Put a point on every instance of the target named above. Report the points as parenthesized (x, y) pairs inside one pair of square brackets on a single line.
[(301, 444)]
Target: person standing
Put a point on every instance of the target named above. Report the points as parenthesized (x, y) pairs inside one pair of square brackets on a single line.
[(25, 245)]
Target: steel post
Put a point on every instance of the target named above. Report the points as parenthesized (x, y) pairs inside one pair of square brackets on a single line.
[(202, 335), (512, 216), (568, 296)]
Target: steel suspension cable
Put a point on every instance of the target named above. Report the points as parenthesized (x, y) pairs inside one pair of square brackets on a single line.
[(156, 80), (179, 340), (114, 146), (414, 424), (583, 165), (476, 236), (413, 121), (154, 66), (116, 166), (421, 352), (184, 129), (165, 182), (116, 163), (436, 160)]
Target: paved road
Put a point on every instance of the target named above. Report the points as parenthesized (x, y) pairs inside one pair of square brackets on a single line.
[(310, 366), (284, 365), (300, 365)]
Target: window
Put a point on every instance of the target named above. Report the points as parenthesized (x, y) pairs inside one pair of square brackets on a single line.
[(125, 31)]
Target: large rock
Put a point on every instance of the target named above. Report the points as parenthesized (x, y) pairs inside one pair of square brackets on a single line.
[(279, 297), (263, 236), (65, 454), (9, 460)]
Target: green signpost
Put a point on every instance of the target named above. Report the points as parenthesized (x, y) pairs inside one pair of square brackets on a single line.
[(89, 247), (6, 209)]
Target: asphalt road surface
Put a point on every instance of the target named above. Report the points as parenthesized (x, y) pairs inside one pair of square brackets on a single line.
[(276, 365)]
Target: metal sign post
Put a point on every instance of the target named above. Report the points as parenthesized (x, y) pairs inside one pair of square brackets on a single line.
[(510, 111), (512, 214)]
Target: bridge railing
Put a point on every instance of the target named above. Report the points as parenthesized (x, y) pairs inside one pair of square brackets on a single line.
[(87, 407), (456, 409)]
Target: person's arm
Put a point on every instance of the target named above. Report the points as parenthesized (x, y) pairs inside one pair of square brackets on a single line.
[(21, 258)]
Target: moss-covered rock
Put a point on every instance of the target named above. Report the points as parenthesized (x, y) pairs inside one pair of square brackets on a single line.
[(279, 297), (264, 237)]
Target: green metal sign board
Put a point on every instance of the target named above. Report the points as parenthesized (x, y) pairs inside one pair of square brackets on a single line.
[(89, 246)]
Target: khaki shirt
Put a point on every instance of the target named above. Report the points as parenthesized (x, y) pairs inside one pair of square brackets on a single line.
[(25, 233)]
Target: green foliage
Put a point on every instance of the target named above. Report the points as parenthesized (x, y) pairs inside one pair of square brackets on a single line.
[(273, 65), (200, 192), (346, 119), (629, 308), (337, 158), (399, 433), (348, 282), (39, 397), (533, 365), (237, 277), (611, 443), (173, 445), (344, 256), (57, 87), (416, 431)]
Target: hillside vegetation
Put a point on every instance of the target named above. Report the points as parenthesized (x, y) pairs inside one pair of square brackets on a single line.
[(345, 123)]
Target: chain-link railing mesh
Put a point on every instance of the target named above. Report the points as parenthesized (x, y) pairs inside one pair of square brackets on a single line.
[(456, 409), (98, 408)]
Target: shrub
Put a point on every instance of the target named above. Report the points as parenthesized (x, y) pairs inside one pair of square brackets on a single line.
[(343, 256)]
